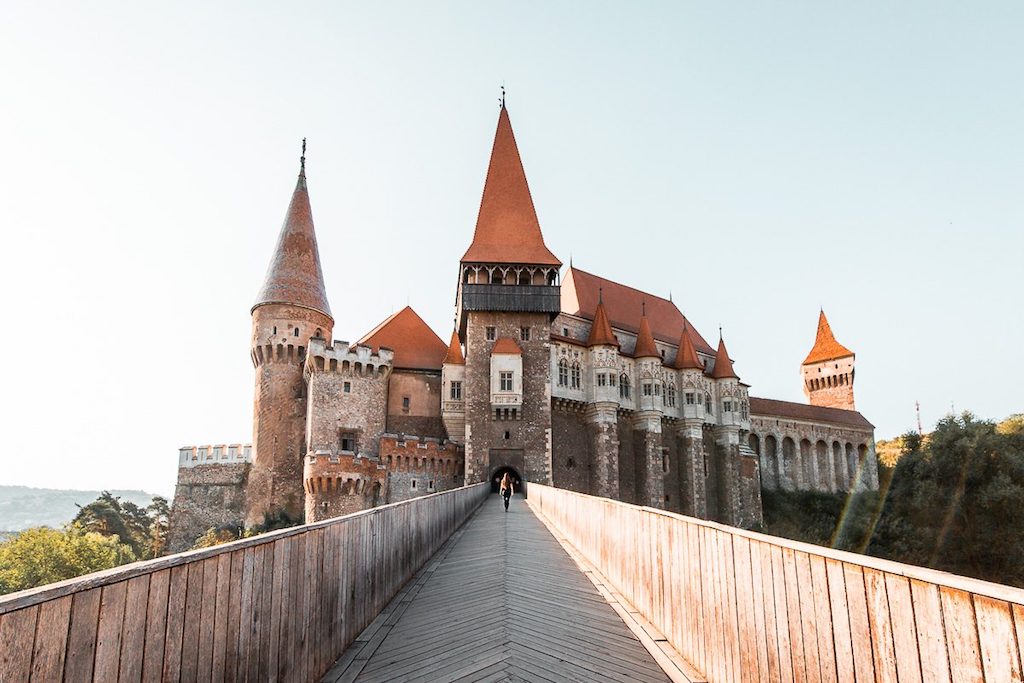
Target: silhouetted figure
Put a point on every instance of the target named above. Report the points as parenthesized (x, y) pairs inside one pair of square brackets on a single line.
[(506, 489)]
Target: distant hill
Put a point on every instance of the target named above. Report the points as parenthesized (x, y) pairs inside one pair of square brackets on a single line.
[(22, 507)]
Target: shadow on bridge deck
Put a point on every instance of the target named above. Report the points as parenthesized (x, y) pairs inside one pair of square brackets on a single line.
[(501, 601)]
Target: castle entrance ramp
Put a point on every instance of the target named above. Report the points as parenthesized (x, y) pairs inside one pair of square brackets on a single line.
[(501, 601)]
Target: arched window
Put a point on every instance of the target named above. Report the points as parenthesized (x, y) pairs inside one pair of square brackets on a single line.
[(623, 385), (319, 333), (296, 332), (575, 375), (524, 277), (563, 373)]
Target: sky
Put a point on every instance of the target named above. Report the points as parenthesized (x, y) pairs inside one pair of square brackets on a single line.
[(756, 160)]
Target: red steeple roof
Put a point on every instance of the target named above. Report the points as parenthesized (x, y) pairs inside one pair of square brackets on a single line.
[(686, 357), (416, 346), (294, 276), (601, 329), (825, 345), (645, 347), (723, 366), (454, 355), (507, 229)]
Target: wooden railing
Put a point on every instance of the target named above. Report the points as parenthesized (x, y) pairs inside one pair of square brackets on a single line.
[(742, 606), (280, 606)]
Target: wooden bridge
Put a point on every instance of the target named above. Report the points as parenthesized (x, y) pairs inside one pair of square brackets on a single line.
[(564, 586)]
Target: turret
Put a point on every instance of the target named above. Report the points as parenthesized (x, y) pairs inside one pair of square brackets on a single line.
[(291, 308), (827, 372), (603, 349), (733, 407), (691, 375), (453, 397), (649, 368)]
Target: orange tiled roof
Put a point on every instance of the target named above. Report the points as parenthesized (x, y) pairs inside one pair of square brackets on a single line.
[(645, 347), (454, 355), (506, 345), (802, 411), (825, 345), (686, 357), (416, 346), (507, 229), (294, 275), (601, 329), (723, 366), (581, 291)]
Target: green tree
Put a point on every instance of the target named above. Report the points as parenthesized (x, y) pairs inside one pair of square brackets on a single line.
[(39, 556)]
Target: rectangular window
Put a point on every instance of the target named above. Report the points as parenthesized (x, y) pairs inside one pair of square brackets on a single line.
[(647, 388), (456, 391), (347, 387), (348, 442), (611, 380), (490, 334), (602, 379), (690, 398), (505, 380), (565, 331), (657, 390), (413, 484), (405, 403), (524, 333), (727, 406)]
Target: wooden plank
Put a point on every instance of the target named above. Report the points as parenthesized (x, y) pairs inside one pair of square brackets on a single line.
[(193, 620), (748, 640), (904, 630), (931, 635), (808, 625), (174, 644), (961, 635), (796, 635), (277, 596), (133, 632), (262, 639), (220, 619), (860, 622), (1018, 625), (771, 632), (881, 626), (758, 615), (207, 618), (156, 625), (51, 639), (997, 639), (17, 633), (85, 612), (842, 637), (823, 619), (781, 615), (237, 584)]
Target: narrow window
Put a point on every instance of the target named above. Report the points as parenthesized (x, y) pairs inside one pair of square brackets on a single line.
[(623, 386), (689, 398), (657, 389), (319, 333), (275, 329), (490, 334), (296, 332), (647, 388), (456, 391), (576, 375), (405, 403), (602, 379), (563, 373), (508, 434), (413, 484), (505, 379), (347, 387), (707, 402), (565, 331), (524, 333)]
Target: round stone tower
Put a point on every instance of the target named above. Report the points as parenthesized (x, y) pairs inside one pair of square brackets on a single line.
[(291, 309)]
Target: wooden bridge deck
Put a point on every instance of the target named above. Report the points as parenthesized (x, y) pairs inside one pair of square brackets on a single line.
[(501, 601)]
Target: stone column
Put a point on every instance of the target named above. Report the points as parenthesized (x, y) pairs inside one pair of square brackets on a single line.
[(695, 497), (727, 441), (649, 425), (602, 423)]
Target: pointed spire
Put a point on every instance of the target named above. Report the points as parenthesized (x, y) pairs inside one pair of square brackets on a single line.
[(825, 345), (295, 276), (723, 366), (601, 328), (507, 229), (686, 357), (454, 356), (645, 347)]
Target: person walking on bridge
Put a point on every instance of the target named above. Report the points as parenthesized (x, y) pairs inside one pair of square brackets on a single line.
[(506, 489)]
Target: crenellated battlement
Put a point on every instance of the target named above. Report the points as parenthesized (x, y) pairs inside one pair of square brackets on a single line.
[(353, 360), (341, 484), (226, 454)]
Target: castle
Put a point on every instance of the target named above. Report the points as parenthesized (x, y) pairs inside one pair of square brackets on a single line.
[(568, 379)]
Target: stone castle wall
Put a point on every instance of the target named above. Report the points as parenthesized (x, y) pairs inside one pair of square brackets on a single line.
[(414, 403), (206, 496), (420, 466)]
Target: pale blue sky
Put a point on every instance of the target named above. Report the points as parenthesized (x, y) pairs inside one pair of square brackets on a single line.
[(756, 159)]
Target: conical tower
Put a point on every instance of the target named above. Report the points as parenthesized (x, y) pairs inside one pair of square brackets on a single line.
[(508, 291), (290, 309), (828, 370)]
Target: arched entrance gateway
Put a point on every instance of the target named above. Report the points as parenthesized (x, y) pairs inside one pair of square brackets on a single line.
[(517, 480)]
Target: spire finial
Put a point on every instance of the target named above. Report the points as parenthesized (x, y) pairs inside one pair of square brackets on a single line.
[(670, 296), (302, 159), (719, 331), (643, 308), (502, 95), (600, 295)]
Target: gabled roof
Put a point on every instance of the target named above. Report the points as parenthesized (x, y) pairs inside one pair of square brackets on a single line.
[(825, 345), (802, 411), (506, 345), (601, 329), (686, 357), (581, 291), (507, 229), (645, 347), (454, 355), (723, 366), (416, 346), (294, 275)]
